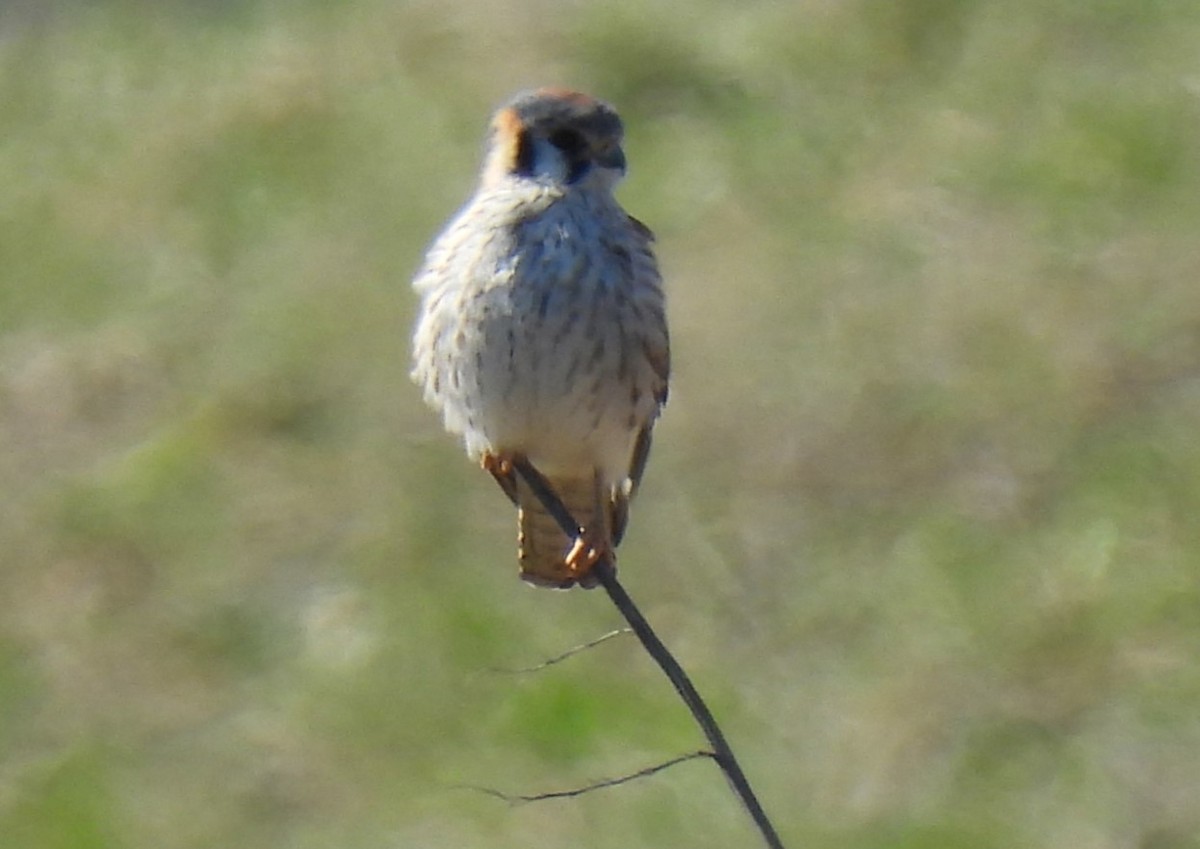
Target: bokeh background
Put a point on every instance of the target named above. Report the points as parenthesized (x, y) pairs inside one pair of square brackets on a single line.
[(923, 517)]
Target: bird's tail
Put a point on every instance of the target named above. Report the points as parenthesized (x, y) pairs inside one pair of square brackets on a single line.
[(541, 544)]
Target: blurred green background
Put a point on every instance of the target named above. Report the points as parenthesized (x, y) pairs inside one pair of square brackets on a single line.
[(923, 517)]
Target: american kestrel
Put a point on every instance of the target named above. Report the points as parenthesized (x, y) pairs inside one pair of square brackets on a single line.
[(542, 333)]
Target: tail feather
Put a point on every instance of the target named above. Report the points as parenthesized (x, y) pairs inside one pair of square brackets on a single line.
[(541, 543)]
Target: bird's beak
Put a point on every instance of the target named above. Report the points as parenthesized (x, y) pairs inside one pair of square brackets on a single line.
[(613, 158)]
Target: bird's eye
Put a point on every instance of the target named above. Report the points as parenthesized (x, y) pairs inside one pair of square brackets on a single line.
[(568, 141)]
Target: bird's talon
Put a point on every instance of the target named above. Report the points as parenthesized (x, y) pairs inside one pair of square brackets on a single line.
[(501, 468), (583, 556), (497, 464)]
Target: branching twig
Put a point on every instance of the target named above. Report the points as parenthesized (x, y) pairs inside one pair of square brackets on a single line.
[(559, 658), (721, 753), (520, 799)]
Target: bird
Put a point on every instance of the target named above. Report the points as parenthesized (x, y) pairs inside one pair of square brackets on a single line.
[(541, 335)]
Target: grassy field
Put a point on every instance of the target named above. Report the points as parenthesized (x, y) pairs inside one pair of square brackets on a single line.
[(923, 517)]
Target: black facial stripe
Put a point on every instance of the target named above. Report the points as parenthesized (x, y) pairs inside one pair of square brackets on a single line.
[(523, 161), (576, 168)]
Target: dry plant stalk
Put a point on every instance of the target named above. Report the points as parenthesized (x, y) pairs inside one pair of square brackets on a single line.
[(559, 658), (521, 798), (603, 569)]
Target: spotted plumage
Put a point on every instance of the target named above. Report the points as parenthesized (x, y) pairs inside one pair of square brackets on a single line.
[(542, 331)]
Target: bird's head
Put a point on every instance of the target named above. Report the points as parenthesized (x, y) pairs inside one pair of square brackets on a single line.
[(556, 135)]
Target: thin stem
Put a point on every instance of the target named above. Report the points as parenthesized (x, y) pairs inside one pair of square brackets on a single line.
[(722, 753), (521, 798), (571, 652)]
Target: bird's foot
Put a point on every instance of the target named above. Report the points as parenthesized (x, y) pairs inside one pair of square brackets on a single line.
[(500, 466), (585, 553)]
